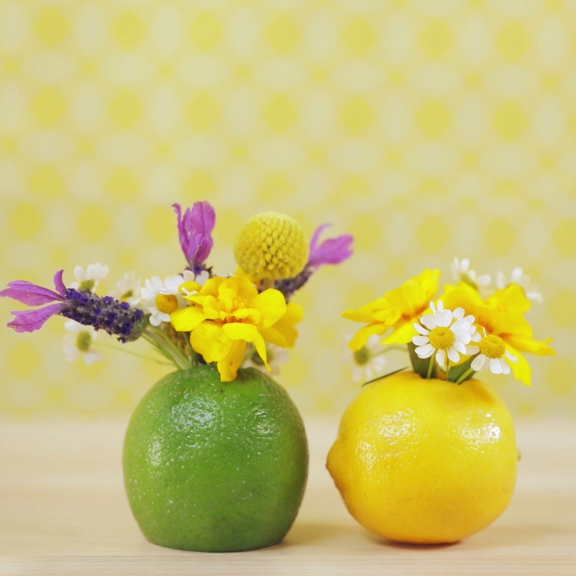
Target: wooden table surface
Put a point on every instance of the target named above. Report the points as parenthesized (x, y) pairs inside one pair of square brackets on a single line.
[(63, 512)]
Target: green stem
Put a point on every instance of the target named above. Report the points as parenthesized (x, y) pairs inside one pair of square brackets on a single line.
[(120, 349), (430, 367), (447, 370), (157, 337), (388, 349), (465, 376)]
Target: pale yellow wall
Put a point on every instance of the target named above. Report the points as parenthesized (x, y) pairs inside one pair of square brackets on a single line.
[(428, 129)]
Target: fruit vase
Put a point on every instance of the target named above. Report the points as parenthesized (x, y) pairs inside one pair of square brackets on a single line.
[(215, 466), (425, 461)]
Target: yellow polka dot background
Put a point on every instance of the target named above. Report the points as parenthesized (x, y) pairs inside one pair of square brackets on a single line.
[(427, 129)]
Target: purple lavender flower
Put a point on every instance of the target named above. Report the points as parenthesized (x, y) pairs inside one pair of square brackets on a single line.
[(331, 251), (116, 318), (195, 230), (34, 295)]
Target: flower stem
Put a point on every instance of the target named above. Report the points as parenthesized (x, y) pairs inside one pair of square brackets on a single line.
[(430, 367), (120, 349), (447, 370), (388, 349), (165, 345), (465, 376)]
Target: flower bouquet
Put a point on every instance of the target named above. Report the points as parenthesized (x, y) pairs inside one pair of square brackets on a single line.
[(429, 456), (215, 455)]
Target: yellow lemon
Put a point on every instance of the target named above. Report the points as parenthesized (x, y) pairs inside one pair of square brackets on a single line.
[(425, 461)]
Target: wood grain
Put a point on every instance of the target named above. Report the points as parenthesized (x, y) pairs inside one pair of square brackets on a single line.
[(63, 512)]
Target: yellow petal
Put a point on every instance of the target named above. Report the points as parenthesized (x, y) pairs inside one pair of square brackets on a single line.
[(403, 333), (272, 305), (529, 345), (361, 337), (260, 346), (211, 286), (210, 341), (187, 319), (510, 299), (276, 336), (521, 369), (294, 313), (229, 365), (239, 331)]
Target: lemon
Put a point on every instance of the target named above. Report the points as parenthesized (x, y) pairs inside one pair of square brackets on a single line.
[(214, 466), (425, 461)]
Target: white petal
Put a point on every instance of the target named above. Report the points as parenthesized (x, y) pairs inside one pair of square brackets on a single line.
[(420, 340), (459, 347), (476, 337), (420, 329), (465, 264), (157, 282), (453, 356), (472, 350), (444, 318), (478, 362), (72, 326), (483, 280), (425, 351), (79, 273), (510, 357), (500, 280), (516, 276), (428, 321), (458, 313), (156, 318), (440, 357), (432, 307), (505, 367), (91, 356), (495, 366), (171, 283)]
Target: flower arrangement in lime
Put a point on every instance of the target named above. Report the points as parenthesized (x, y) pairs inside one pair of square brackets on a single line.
[(194, 316), (465, 329)]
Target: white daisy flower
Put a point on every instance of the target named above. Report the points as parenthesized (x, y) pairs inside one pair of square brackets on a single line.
[(517, 276), (461, 272), (492, 348), (90, 278), (367, 363), (128, 289), (79, 343), (444, 332), (162, 298), (275, 356)]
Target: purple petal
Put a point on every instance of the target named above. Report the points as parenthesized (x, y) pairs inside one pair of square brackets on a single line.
[(331, 251), (32, 320), (30, 294), (58, 284)]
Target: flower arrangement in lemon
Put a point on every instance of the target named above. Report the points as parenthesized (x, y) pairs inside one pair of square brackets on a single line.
[(194, 316), (459, 332)]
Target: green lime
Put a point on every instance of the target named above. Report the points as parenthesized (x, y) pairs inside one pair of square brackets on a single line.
[(212, 466)]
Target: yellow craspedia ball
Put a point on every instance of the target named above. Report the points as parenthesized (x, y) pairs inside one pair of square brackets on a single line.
[(271, 246)]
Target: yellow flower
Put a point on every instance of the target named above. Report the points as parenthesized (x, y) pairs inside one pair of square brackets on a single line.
[(271, 246), (226, 314), (505, 322), (397, 309)]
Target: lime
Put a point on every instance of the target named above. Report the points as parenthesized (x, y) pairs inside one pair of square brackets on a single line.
[(214, 466)]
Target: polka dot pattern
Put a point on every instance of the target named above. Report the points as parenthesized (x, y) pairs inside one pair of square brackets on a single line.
[(428, 131)]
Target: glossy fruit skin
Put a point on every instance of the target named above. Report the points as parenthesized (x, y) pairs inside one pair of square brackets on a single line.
[(425, 461), (212, 466)]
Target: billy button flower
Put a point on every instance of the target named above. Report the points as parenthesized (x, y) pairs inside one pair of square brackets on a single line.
[(225, 315), (271, 247)]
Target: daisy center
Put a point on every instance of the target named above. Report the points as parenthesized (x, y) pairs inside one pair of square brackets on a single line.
[(83, 341), (166, 303), (492, 346), (441, 338), (362, 356)]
